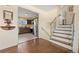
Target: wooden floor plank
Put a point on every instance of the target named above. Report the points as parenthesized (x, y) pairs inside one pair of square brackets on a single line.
[(36, 46)]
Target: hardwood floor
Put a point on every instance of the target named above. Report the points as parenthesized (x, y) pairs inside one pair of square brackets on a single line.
[(36, 46)]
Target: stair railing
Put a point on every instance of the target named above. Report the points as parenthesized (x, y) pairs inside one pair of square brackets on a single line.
[(45, 31), (73, 28), (53, 25)]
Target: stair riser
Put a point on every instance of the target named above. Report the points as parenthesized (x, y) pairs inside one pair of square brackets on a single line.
[(62, 35), (64, 28), (61, 44), (61, 39), (65, 32)]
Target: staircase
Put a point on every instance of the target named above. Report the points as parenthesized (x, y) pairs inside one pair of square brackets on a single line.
[(62, 36)]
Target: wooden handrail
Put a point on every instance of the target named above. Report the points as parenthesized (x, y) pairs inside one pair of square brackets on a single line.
[(50, 24), (56, 16), (73, 18), (45, 31), (54, 19)]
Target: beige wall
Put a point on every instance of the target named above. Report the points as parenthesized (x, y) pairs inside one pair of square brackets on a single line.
[(8, 38), (76, 29), (44, 21)]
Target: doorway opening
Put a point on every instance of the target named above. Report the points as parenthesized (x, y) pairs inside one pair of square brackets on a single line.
[(27, 25)]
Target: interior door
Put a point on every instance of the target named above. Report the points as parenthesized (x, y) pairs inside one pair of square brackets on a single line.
[(36, 27)]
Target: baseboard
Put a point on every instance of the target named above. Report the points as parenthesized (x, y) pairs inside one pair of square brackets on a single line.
[(9, 47)]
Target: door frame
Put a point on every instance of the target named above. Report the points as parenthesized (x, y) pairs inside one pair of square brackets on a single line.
[(37, 26), (37, 23)]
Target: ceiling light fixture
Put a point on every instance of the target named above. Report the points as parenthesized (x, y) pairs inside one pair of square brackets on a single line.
[(26, 14)]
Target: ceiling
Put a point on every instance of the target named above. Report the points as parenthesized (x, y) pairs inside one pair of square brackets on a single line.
[(26, 13), (45, 7), (22, 12)]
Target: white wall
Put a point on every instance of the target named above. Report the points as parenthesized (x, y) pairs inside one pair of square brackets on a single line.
[(76, 29), (8, 38), (44, 19)]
